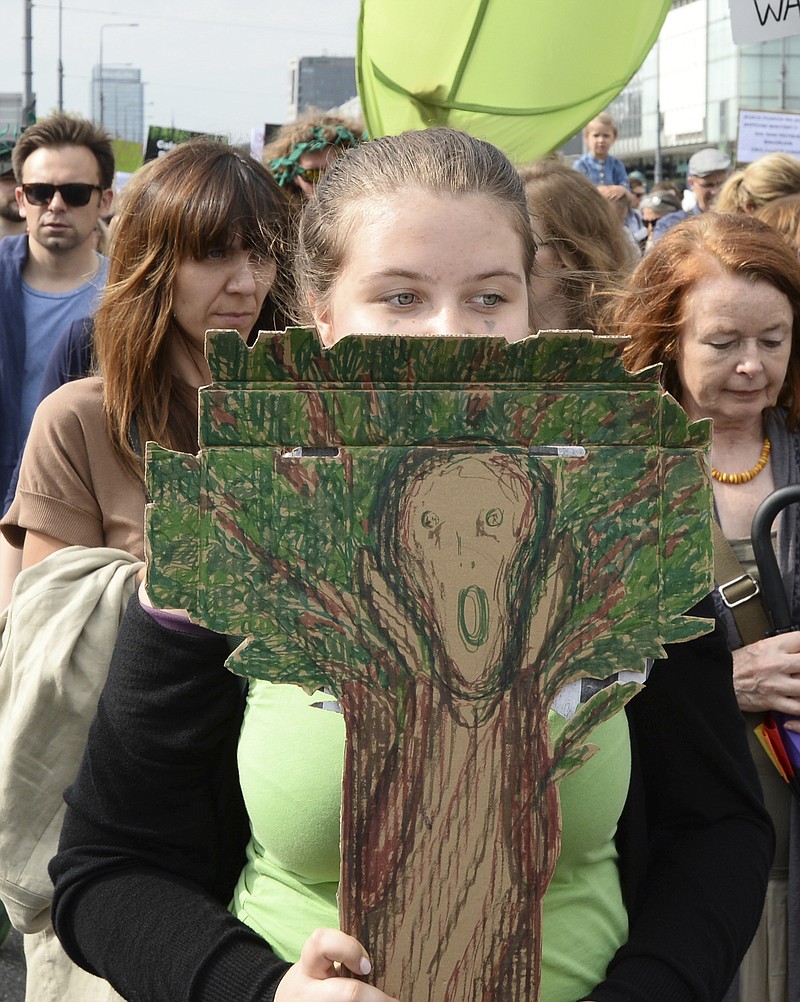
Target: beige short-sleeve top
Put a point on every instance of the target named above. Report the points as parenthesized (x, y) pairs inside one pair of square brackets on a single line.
[(72, 486)]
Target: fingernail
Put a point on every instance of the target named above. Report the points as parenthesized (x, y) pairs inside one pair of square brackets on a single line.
[(365, 966)]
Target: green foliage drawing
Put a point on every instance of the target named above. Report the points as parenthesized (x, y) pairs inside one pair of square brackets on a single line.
[(444, 532)]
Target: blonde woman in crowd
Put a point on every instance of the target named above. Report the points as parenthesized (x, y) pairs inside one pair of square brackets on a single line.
[(770, 177)]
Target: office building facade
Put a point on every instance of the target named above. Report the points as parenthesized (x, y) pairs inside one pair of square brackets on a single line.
[(118, 101), (320, 82), (693, 83)]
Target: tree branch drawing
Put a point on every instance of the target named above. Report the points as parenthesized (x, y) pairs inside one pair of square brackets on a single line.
[(445, 582)]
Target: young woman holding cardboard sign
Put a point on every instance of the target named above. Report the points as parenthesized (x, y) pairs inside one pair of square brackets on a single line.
[(170, 840)]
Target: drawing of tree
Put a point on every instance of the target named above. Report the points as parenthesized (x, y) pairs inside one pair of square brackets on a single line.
[(430, 556)]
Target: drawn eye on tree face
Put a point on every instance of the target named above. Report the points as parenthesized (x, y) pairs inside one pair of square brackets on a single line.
[(494, 517), (461, 526)]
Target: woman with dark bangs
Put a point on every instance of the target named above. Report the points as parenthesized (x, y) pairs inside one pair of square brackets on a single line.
[(201, 244)]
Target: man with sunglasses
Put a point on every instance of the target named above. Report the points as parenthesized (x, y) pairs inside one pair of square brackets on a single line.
[(52, 275), (707, 172)]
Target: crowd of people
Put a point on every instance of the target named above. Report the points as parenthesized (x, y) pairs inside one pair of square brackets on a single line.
[(186, 860)]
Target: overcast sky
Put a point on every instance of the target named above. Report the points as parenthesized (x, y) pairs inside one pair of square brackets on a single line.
[(212, 66)]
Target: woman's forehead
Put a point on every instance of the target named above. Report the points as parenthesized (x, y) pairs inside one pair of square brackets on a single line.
[(421, 206)]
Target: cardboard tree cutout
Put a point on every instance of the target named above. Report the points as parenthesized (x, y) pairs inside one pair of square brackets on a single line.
[(449, 534)]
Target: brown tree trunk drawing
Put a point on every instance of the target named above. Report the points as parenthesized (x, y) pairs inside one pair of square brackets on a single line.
[(451, 820), (475, 841)]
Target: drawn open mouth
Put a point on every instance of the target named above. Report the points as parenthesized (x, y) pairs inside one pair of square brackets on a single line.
[(473, 617)]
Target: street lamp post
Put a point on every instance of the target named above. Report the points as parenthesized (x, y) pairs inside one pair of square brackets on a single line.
[(782, 74), (28, 107), (60, 63), (112, 24)]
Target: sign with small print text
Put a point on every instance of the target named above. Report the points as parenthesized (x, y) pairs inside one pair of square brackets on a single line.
[(763, 132)]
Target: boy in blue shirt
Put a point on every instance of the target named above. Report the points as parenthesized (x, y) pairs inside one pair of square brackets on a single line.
[(600, 135), (607, 173)]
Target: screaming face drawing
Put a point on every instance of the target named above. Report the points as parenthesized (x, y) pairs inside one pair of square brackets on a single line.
[(462, 525)]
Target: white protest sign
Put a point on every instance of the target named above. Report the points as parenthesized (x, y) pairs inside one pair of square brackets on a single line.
[(760, 20), (763, 132), (257, 143)]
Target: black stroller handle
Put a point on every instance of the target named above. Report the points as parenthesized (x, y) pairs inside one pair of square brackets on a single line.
[(768, 571)]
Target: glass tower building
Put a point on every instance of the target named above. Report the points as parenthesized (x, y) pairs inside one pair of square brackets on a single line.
[(688, 92), (118, 101)]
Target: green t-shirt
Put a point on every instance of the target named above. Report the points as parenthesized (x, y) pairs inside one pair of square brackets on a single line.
[(290, 764)]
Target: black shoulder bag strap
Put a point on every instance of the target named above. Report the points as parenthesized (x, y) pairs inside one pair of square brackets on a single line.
[(739, 592)]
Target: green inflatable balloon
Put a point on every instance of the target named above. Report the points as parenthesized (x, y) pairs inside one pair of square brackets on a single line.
[(522, 74)]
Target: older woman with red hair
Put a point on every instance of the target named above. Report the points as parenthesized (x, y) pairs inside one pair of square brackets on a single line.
[(717, 303)]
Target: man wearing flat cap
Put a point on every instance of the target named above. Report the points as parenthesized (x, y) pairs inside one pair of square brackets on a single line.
[(11, 222), (708, 171)]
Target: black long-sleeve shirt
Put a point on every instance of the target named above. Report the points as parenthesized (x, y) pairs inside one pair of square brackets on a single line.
[(156, 829)]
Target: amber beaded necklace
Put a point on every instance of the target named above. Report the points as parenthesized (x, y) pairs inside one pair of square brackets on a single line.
[(747, 476)]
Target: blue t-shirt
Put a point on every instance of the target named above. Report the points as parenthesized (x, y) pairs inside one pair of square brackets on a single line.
[(46, 315), (672, 219)]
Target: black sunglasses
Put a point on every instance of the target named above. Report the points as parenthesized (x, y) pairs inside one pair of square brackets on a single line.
[(75, 194)]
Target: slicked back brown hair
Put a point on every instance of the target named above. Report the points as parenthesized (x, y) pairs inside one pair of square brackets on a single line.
[(439, 161), (652, 309)]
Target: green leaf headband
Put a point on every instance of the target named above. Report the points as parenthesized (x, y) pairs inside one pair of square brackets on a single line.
[(286, 169)]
